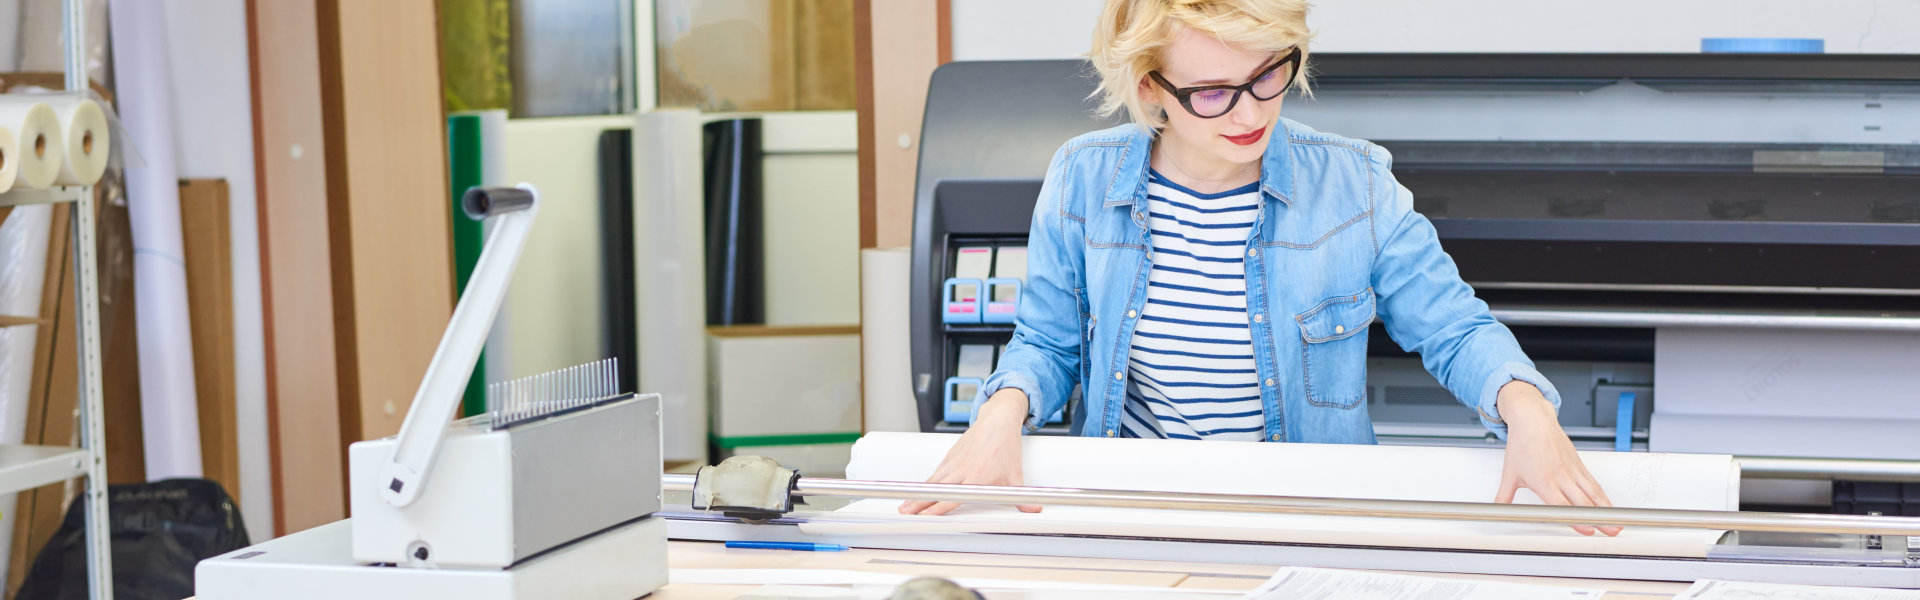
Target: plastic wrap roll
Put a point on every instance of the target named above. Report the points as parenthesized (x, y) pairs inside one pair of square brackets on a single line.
[(9, 159), (36, 130), (24, 236), (86, 138)]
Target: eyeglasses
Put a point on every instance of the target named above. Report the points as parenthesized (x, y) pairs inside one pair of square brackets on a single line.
[(1209, 101)]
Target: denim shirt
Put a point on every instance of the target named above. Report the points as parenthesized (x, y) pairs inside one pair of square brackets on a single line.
[(1336, 245)]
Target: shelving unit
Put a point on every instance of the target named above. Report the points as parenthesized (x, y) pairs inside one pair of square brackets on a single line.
[(24, 467)]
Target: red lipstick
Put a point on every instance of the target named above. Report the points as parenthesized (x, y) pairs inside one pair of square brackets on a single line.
[(1249, 138)]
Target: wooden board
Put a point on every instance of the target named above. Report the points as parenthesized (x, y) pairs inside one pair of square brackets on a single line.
[(209, 256), (823, 47), (898, 44), (38, 512), (387, 192), (303, 398)]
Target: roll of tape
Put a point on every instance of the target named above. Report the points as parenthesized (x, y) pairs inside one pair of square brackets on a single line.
[(36, 130), (87, 138), (9, 159)]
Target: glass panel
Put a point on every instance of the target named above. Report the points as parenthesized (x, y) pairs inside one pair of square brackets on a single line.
[(572, 57), (755, 55)]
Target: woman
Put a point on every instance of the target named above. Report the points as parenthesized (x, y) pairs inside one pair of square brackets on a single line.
[(1226, 263)]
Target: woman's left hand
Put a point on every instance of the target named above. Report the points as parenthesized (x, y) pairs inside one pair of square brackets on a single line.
[(1541, 458)]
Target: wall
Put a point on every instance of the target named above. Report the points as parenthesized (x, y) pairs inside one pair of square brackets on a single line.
[(812, 214), (1063, 28), (553, 305)]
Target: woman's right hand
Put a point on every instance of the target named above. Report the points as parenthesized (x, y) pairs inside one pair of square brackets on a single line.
[(987, 454)]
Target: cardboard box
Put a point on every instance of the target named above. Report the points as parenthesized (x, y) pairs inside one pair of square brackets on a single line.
[(792, 388)]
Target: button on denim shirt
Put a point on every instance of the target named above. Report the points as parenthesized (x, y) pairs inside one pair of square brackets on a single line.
[(1335, 246)]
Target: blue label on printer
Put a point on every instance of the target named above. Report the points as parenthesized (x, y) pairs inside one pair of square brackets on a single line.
[(1003, 301), (958, 405), (959, 398), (962, 301)]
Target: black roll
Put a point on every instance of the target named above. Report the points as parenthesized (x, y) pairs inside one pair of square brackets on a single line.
[(618, 306), (736, 266)]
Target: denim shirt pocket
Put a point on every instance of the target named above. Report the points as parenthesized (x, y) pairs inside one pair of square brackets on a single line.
[(1333, 350)]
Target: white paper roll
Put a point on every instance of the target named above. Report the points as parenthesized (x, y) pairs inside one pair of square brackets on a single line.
[(36, 129), (87, 139), (1631, 479), (670, 291), (886, 359), (169, 412)]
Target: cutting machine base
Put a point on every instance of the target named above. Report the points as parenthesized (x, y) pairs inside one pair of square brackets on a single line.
[(621, 563)]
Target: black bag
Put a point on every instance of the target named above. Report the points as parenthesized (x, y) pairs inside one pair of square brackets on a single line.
[(160, 530)]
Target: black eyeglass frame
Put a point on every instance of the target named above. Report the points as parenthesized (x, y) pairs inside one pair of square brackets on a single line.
[(1184, 95)]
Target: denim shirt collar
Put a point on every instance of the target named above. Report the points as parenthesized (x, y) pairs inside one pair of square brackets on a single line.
[(1129, 183)]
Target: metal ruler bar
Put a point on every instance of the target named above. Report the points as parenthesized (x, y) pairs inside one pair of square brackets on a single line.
[(1405, 509)]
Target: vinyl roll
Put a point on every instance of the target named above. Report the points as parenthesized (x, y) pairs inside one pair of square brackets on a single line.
[(36, 131), (9, 159), (87, 138)]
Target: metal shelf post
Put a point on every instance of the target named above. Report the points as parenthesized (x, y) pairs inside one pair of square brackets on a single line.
[(86, 290)]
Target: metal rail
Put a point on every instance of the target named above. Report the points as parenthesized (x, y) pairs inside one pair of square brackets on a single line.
[(1405, 509), (1851, 469), (1657, 318)]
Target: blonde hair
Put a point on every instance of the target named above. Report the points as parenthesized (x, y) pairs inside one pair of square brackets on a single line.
[(1132, 35)]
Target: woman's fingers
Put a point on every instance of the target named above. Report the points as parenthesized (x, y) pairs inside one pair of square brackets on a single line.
[(1599, 496), (941, 474), (941, 508), (1508, 486), (1592, 488), (1552, 494), (1578, 496), (1018, 479)]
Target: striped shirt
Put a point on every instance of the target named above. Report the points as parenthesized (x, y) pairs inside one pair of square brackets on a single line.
[(1191, 369)]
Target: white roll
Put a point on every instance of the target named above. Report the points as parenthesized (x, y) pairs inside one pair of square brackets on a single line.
[(169, 411), (670, 290), (886, 356), (9, 159), (1631, 479), (87, 139), (36, 130)]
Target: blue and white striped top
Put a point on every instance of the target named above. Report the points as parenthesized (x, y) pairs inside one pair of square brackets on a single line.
[(1191, 370)]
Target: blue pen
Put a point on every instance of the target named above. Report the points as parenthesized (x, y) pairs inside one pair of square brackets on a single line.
[(807, 546)]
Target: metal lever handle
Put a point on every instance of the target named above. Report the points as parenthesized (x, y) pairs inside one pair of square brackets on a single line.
[(512, 211)]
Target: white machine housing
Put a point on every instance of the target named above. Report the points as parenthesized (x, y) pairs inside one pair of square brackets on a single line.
[(501, 496)]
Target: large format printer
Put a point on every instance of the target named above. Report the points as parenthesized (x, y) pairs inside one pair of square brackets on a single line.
[(1704, 253)]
